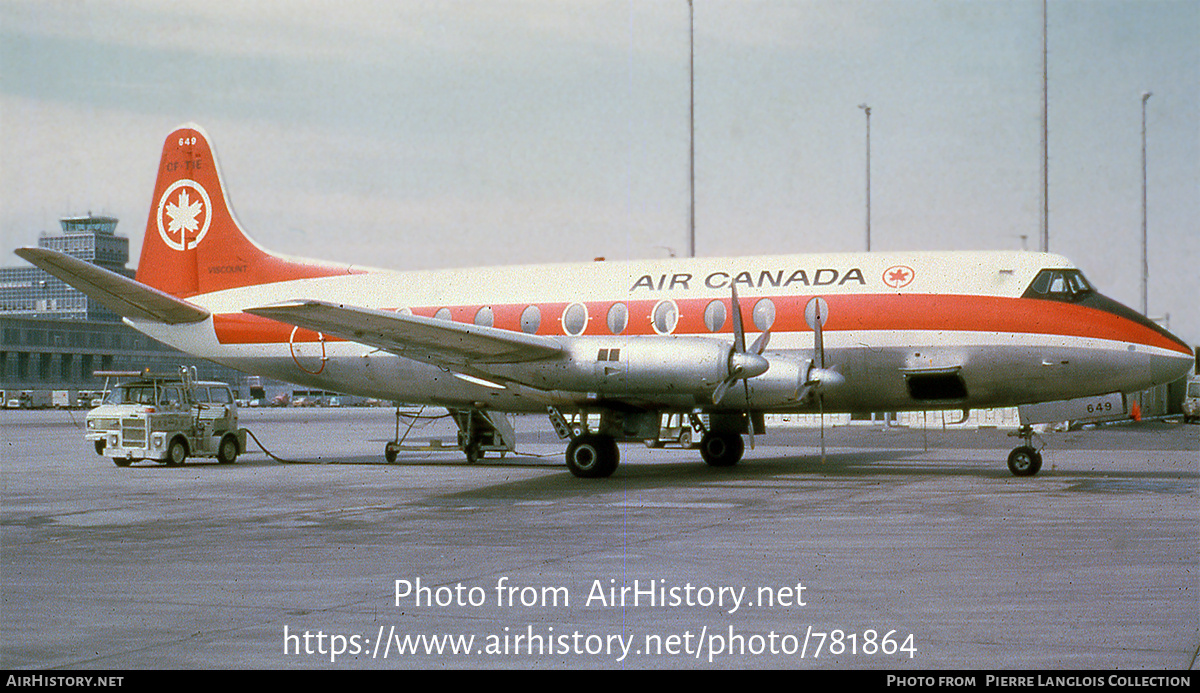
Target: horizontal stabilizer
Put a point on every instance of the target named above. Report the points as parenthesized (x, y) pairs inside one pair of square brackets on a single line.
[(122, 295), (440, 342)]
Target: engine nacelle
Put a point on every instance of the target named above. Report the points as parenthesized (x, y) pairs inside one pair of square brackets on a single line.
[(642, 365), (782, 385)]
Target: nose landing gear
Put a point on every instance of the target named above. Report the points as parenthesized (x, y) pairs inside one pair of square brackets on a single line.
[(1025, 460)]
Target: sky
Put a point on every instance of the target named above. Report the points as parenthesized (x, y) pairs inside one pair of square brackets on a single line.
[(412, 135)]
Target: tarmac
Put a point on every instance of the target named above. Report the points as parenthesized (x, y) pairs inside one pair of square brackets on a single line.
[(901, 550)]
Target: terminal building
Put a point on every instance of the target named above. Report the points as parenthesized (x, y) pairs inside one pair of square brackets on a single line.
[(53, 337)]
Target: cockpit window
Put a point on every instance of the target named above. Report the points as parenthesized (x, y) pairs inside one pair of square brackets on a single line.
[(1059, 285)]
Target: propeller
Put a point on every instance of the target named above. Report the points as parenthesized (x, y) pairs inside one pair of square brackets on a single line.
[(819, 377), (743, 364)]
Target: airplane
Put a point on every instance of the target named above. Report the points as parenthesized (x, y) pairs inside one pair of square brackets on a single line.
[(606, 349)]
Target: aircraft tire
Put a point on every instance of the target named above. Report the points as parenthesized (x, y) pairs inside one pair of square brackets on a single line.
[(722, 450), (592, 456), (1024, 461)]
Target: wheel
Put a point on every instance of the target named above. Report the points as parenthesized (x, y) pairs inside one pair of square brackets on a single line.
[(593, 456), (1024, 461), (227, 452), (176, 452), (122, 461), (652, 443), (685, 439), (722, 450), (99, 447), (473, 453), (389, 452)]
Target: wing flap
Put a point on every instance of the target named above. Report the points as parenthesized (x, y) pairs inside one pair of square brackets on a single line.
[(122, 295), (426, 339)]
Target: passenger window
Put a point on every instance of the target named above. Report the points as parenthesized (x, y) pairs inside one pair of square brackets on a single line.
[(221, 395), (764, 314), (531, 320), (714, 316), (665, 317), (201, 395), (574, 319), (618, 318)]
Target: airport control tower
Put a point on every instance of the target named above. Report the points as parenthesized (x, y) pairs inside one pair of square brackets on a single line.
[(53, 337), (30, 291)]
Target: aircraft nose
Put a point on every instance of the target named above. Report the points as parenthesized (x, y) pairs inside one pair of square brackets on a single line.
[(1167, 368)]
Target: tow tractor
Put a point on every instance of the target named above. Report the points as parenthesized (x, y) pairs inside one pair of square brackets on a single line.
[(166, 417)]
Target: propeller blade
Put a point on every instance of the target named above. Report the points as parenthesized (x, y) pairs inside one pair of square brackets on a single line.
[(820, 344), (739, 331), (821, 405), (719, 393), (749, 421), (816, 312), (760, 344)]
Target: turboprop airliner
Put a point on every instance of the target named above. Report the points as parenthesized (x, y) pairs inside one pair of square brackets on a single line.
[(606, 349)]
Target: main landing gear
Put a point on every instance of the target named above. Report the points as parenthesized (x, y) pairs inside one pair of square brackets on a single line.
[(719, 449), (1025, 460), (722, 449), (591, 456)]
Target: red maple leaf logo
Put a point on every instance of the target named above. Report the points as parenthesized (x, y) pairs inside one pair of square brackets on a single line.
[(898, 276)]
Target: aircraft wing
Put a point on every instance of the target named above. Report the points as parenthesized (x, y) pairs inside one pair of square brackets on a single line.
[(122, 295), (440, 342)]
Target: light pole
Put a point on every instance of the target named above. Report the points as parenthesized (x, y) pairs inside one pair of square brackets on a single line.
[(691, 132), (1045, 220), (867, 110), (1145, 266)]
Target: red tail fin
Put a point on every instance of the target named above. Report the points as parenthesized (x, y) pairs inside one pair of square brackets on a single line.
[(193, 243)]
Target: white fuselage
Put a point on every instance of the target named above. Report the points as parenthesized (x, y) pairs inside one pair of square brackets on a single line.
[(903, 330)]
